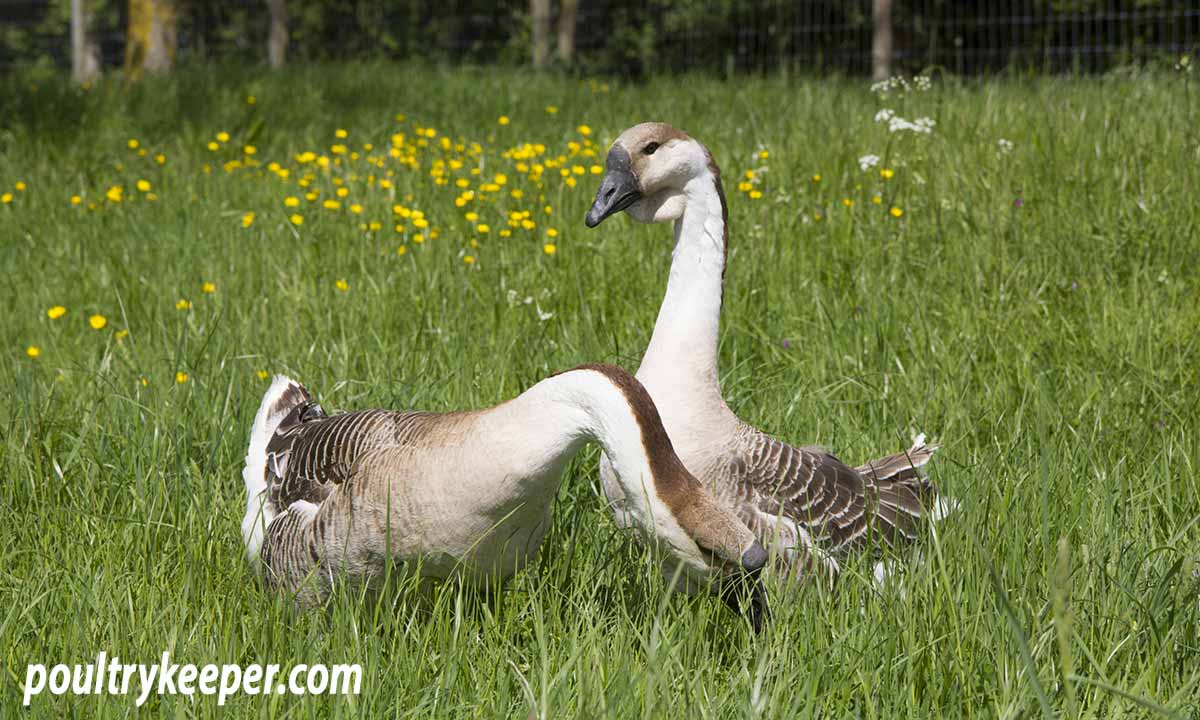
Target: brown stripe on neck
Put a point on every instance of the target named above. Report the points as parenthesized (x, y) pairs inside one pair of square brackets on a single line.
[(716, 173), (715, 530), (672, 480)]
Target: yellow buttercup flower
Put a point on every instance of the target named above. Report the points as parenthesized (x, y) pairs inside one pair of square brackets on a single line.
[(6, 198), (551, 232), (297, 219), (584, 130), (20, 186), (340, 134), (332, 204), (223, 136), (181, 377), (290, 201), (816, 178), (263, 374), (402, 249), (122, 334), (342, 285), (114, 193), (887, 173), (549, 248), (847, 202), (183, 304), (876, 199), (133, 144), (755, 194), (483, 228), (97, 322), (76, 200), (469, 259), (213, 146), (208, 288), (503, 120), (551, 109), (763, 154), (356, 209), (56, 312), (33, 351), (160, 159), (247, 219), (250, 150), (143, 185), (896, 212)]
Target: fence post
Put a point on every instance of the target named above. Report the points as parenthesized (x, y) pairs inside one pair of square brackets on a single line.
[(85, 55), (539, 16), (881, 39), (566, 30), (277, 41)]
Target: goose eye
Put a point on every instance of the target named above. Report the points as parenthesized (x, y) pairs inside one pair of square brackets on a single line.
[(650, 148)]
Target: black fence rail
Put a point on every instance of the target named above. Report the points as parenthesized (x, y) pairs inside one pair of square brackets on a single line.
[(634, 37)]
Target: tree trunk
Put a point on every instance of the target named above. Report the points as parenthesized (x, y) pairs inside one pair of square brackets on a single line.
[(85, 53), (277, 44), (566, 30), (539, 16), (881, 40), (151, 39)]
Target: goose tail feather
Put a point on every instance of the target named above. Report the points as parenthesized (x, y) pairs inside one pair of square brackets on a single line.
[(904, 486), (281, 398)]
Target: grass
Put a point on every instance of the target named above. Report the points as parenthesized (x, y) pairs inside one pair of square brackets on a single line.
[(1050, 344)]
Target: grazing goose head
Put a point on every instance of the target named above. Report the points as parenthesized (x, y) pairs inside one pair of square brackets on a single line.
[(648, 172)]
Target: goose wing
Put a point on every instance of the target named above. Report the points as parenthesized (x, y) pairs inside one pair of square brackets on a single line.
[(836, 505), (312, 452)]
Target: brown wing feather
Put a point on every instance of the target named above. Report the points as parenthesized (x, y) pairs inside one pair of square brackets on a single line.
[(839, 506), (312, 452)]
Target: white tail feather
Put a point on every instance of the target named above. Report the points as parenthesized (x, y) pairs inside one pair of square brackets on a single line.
[(258, 513)]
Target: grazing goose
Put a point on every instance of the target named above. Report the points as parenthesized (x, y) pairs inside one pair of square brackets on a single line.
[(469, 493), (805, 502)]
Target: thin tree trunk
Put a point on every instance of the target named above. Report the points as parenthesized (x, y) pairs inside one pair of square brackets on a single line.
[(152, 38), (277, 44), (881, 40), (85, 53), (539, 16), (566, 30)]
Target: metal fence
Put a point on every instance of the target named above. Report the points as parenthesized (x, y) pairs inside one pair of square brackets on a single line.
[(633, 37)]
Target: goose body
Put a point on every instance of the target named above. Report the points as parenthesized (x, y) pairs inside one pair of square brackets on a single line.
[(465, 494), (803, 502)]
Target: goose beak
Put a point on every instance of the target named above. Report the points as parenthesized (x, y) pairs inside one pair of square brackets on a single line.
[(744, 593), (618, 190)]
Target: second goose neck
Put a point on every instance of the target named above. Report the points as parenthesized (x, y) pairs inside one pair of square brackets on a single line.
[(683, 348)]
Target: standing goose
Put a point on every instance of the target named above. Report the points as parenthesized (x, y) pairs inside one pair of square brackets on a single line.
[(807, 503), (469, 493)]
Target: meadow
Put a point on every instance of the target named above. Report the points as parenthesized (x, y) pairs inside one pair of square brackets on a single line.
[(1021, 283)]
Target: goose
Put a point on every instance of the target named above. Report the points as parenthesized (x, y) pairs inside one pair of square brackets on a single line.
[(804, 503), (468, 494)]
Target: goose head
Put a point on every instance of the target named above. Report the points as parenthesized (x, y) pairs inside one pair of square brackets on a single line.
[(647, 173)]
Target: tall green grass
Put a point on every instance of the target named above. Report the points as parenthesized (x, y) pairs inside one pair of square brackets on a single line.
[(1049, 344)]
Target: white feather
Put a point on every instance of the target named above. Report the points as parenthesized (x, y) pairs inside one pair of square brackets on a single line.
[(258, 515)]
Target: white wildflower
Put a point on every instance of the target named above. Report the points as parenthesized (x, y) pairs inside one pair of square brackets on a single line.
[(920, 125), (1005, 146), (866, 162), (543, 316), (884, 115)]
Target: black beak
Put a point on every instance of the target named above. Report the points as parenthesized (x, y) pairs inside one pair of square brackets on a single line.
[(618, 190), (745, 593)]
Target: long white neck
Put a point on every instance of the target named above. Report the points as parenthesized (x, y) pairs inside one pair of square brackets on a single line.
[(682, 356), (536, 433)]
